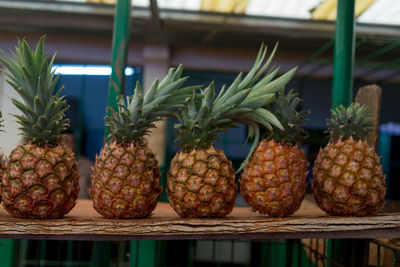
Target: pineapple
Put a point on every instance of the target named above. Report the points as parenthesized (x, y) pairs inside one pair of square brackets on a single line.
[(348, 177), (126, 176), (201, 179), (274, 180), (41, 175), (1, 155)]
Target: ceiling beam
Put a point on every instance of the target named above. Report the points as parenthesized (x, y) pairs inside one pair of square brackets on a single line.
[(155, 14)]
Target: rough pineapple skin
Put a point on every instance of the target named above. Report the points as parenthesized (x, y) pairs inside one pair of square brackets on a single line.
[(40, 181), (348, 179), (274, 180), (1, 171), (125, 181), (201, 183)]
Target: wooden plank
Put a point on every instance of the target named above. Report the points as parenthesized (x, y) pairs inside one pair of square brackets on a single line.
[(83, 223), (371, 95)]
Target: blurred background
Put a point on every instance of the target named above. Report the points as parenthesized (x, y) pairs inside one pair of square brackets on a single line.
[(214, 40)]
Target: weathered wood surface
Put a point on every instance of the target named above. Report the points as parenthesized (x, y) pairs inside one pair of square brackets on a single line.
[(83, 223), (370, 96)]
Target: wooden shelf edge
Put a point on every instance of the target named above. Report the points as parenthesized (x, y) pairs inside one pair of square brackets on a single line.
[(83, 223)]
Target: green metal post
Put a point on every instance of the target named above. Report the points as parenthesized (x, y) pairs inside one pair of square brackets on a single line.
[(120, 45), (343, 62), (134, 253), (342, 88), (147, 253), (43, 247), (121, 33), (23, 251), (143, 253), (8, 253), (70, 252), (384, 147)]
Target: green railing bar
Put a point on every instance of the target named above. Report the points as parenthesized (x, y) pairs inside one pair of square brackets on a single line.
[(8, 249), (321, 50), (376, 65), (329, 251), (147, 253), (43, 247), (134, 249), (312, 58), (55, 263), (396, 60), (380, 51), (379, 65), (358, 63), (23, 251), (342, 89), (360, 41), (70, 251), (384, 150), (120, 45)]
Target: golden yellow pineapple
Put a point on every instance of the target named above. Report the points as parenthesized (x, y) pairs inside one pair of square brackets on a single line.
[(126, 176), (201, 183), (125, 181), (201, 180), (40, 181), (274, 180), (41, 176), (348, 177)]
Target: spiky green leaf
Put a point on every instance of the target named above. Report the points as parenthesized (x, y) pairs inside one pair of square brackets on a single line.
[(134, 118), (30, 74), (354, 121)]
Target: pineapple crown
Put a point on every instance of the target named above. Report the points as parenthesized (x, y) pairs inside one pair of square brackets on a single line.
[(243, 102), (285, 109), (133, 119), (354, 121), (30, 73)]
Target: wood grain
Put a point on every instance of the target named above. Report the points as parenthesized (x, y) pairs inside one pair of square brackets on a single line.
[(83, 223), (371, 95)]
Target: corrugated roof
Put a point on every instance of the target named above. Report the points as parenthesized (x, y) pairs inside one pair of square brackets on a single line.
[(367, 11), (379, 12)]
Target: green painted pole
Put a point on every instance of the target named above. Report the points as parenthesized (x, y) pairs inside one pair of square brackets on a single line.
[(121, 33), (147, 253), (343, 62), (120, 45), (8, 252), (342, 94)]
